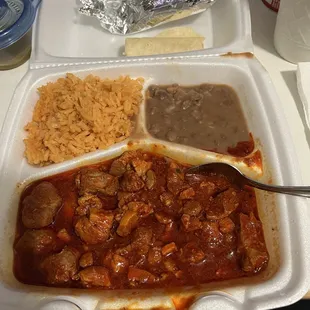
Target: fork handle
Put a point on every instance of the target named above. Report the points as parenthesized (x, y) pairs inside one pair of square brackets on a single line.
[(301, 191)]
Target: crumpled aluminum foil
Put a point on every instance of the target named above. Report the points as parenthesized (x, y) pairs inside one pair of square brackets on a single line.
[(130, 16)]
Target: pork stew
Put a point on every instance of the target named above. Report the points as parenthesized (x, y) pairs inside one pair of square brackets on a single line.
[(136, 222)]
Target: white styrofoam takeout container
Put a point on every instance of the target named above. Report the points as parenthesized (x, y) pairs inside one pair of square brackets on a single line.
[(64, 36), (285, 225)]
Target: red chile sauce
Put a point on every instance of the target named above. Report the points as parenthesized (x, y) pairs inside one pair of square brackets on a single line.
[(206, 249)]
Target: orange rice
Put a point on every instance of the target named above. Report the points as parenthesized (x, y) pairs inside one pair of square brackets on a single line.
[(74, 116)]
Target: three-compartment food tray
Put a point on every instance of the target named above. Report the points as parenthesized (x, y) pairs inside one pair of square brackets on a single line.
[(285, 224)]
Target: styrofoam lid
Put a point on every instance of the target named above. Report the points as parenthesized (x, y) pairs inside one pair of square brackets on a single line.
[(62, 34)]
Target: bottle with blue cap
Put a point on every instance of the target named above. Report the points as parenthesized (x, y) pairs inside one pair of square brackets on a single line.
[(16, 19)]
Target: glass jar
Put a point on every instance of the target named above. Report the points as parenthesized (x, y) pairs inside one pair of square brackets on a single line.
[(16, 19)]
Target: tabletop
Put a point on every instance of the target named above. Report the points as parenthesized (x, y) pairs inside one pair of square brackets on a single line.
[(282, 73)]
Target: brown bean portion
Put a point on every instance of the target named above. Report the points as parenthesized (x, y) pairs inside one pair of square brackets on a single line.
[(206, 116)]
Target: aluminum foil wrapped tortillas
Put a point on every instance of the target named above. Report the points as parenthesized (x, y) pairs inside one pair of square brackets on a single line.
[(130, 16)]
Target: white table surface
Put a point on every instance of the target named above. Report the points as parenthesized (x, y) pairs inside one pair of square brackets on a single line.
[(282, 73)]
